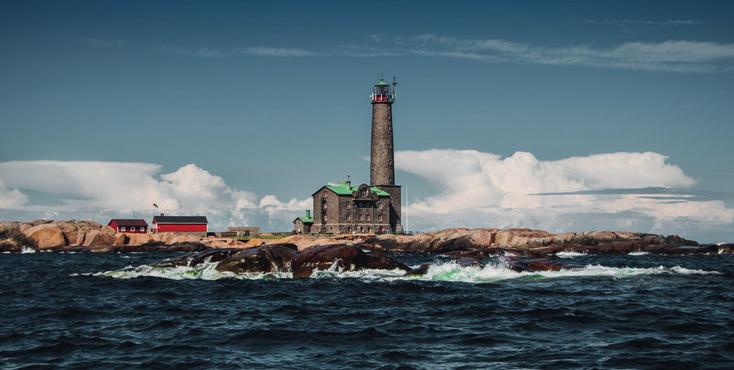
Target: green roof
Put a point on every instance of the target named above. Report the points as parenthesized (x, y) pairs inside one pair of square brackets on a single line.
[(308, 219), (347, 189), (382, 83)]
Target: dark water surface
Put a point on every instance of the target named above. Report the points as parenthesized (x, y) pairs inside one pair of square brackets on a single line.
[(608, 312)]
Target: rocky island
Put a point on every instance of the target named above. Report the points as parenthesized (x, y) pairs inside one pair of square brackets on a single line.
[(44, 235)]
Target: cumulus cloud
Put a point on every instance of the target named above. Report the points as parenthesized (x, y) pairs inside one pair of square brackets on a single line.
[(105, 189), (485, 189)]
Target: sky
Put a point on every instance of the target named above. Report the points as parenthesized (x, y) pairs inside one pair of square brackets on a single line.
[(563, 116)]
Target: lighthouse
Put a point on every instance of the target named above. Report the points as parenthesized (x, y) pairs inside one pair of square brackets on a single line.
[(382, 151), (374, 208), (382, 166)]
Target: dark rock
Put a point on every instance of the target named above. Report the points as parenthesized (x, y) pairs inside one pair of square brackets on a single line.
[(421, 270), (13, 240), (727, 248), (535, 265), (270, 258), (213, 255), (163, 247), (469, 262), (348, 258)]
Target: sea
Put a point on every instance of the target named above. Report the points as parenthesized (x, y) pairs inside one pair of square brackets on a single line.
[(119, 311)]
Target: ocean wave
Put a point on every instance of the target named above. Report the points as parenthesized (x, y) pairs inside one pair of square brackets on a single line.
[(452, 271), (638, 253), (565, 254), (445, 271), (202, 271), (366, 274)]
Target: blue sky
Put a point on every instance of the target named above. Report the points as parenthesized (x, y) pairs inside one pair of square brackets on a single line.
[(270, 101)]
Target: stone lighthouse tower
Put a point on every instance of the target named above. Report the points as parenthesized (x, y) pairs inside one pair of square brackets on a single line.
[(382, 155)]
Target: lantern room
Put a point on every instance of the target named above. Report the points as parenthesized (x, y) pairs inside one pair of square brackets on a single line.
[(382, 92)]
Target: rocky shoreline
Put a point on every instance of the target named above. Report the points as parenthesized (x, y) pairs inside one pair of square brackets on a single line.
[(90, 236)]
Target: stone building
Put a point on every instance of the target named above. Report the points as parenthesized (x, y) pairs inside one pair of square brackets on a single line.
[(302, 224), (244, 230), (344, 208), (374, 208)]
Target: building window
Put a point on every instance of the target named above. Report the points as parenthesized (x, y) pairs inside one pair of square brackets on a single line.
[(122, 228), (380, 218), (368, 217), (349, 205)]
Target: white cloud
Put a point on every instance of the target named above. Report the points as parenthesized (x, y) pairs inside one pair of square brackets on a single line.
[(105, 189), (485, 189), (671, 55), (11, 197), (263, 51), (275, 52), (649, 22)]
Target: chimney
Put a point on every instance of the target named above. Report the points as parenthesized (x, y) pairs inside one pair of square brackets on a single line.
[(162, 215)]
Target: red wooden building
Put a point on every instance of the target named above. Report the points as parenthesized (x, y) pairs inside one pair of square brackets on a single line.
[(128, 225), (180, 224)]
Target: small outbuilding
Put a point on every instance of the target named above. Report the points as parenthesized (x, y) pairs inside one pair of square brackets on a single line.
[(244, 230), (128, 225), (302, 224), (180, 224)]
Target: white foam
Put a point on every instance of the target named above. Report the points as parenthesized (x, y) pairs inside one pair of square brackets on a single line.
[(451, 271), (638, 253), (565, 254), (203, 271), (26, 250), (447, 271), (334, 271)]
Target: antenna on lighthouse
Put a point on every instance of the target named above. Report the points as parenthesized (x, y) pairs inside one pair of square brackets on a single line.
[(394, 87)]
